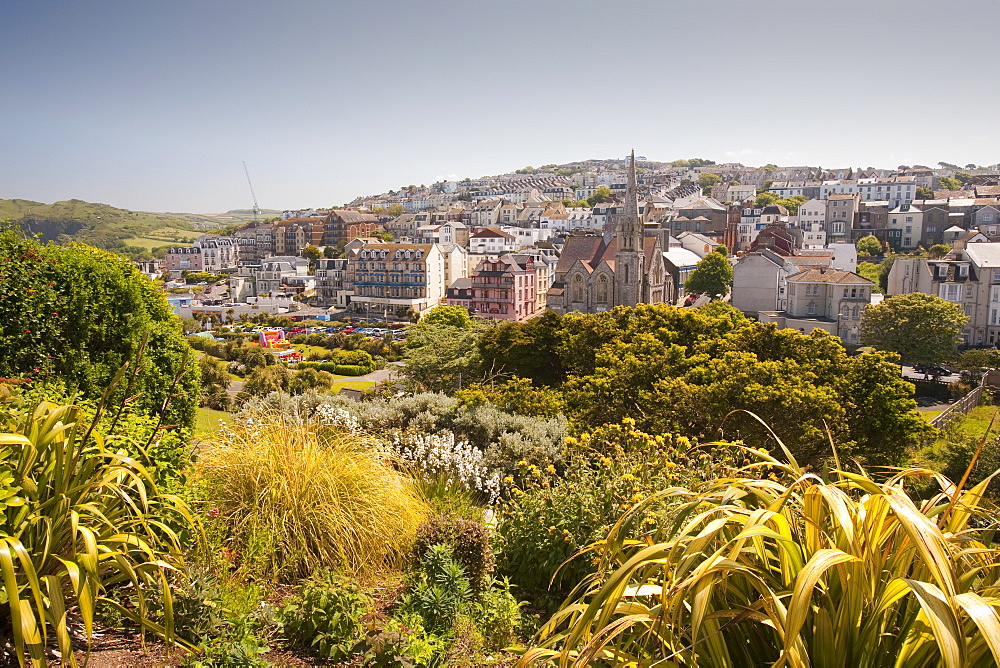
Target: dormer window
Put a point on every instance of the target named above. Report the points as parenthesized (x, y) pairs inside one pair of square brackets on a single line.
[(963, 270), (942, 270)]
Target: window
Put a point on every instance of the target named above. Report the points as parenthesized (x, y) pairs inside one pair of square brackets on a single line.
[(952, 292), (578, 288), (811, 308), (942, 270)]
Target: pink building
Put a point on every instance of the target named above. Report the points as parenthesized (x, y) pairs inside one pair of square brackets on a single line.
[(504, 289)]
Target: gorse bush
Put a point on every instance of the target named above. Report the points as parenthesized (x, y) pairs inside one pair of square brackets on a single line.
[(78, 517), (296, 497), (790, 569)]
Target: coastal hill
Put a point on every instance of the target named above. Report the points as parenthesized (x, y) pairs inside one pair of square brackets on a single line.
[(107, 226)]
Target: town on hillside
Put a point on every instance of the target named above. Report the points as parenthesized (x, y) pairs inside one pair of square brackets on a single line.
[(588, 236)]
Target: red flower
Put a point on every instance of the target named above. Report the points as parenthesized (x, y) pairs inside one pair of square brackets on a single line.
[(27, 331)]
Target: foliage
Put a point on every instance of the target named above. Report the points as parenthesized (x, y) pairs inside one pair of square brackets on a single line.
[(921, 328), (77, 517), (525, 349), (707, 180), (215, 381), (713, 276), (299, 496), (552, 513), (311, 253), (517, 395), (440, 357), (78, 314), (790, 570), (938, 251), (924, 193), (869, 245), (448, 316), (949, 183), (327, 615), (877, 273), (468, 540), (601, 195)]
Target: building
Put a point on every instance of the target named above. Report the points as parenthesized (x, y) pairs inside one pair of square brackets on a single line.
[(333, 286), (905, 228), (841, 209), (390, 279), (342, 225), (275, 273), (504, 288), (621, 268), (829, 299)]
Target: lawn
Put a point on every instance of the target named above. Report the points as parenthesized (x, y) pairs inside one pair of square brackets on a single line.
[(352, 384), (208, 421)]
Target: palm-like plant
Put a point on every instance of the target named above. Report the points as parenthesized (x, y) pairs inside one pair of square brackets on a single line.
[(787, 568), (76, 518)]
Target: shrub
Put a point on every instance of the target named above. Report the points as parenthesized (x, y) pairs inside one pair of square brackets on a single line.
[(327, 614), (792, 570), (468, 540), (551, 514), (299, 496), (442, 590), (78, 314), (78, 517)]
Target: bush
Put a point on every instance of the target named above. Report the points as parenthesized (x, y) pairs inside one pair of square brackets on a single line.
[(551, 514), (77, 314), (826, 567), (468, 540), (326, 615), (297, 497)]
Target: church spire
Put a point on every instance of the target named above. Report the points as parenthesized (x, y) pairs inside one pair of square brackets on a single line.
[(632, 192)]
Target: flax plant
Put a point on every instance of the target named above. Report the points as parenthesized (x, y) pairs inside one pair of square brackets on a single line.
[(295, 496), (783, 567), (78, 517)]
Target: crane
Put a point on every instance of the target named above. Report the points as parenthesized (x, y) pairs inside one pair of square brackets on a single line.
[(256, 208)]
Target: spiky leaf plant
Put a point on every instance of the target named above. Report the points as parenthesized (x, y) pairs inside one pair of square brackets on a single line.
[(78, 517), (782, 567)]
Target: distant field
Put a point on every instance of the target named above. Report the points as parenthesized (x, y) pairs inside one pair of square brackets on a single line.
[(164, 236)]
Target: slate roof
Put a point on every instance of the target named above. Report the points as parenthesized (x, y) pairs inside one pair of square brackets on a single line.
[(828, 276)]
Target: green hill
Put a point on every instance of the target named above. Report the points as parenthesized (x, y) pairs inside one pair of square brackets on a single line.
[(106, 226)]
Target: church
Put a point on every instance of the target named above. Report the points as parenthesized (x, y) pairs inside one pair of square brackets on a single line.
[(621, 268)]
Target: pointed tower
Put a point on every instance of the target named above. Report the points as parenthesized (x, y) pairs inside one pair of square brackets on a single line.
[(629, 259)]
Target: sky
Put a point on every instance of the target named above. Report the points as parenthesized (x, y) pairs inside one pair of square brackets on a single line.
[(155, 106)]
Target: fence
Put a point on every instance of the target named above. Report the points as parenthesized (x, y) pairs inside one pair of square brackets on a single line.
[(960, 407)]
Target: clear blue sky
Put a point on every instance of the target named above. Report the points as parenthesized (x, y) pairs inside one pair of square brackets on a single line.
[(154, 105)]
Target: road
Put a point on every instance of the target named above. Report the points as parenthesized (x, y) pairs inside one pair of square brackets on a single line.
[(912, 374)]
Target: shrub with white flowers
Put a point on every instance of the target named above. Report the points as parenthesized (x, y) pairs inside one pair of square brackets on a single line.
[(441, 455)]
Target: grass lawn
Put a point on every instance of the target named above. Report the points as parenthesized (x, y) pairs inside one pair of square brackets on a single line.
[(306, 350), (352, 385), (930, 415), (208, 421)]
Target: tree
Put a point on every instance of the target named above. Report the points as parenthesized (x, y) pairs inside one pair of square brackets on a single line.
[(396, 210), (949, 183), (922, 329), (713, 276), (924, 193), (938, 251), (769, 167), (311, 253), (448, 316), (765, 198), (869, 245), (76, 314), (600, 195), (707, 180), (329, 251)]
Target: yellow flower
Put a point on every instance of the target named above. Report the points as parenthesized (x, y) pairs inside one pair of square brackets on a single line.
[(683, 442), (570, 440), (627, 477), (604, 461), (522, 463), (550, 469), (509, 480), (628, 420)]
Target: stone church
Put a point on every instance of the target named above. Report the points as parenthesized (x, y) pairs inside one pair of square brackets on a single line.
[(622, 268)]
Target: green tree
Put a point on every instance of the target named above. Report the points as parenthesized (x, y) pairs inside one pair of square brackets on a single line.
[(396, 210), (769, 167), (792, 203), (922, 329), (76, 314), (441, 358), (449, 316), (766, 198), (713, 276), (924, 193), (529, 349), (706, 180), (311, 253), (869, 245), (329, 252), (938, 251), (602, 194), (949, 183)]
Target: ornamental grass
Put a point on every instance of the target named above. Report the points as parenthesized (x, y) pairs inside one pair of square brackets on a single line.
[(294, 496), (782, 567)]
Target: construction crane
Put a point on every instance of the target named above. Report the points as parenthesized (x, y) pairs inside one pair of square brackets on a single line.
[(256, 208)]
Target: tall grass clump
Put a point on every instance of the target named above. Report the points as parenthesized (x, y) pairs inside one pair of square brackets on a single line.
[(79, 519), (778, 566), (297, 496)]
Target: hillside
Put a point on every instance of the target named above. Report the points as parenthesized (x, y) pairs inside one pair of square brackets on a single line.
[(107, 226)]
